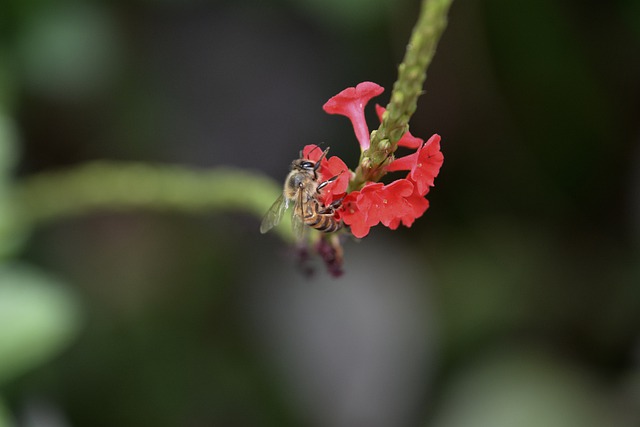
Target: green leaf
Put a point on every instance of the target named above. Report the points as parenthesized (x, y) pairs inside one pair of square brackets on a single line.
[(38, 318)]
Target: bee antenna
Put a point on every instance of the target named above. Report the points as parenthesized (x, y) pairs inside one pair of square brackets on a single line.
[(324, 154), (316, 147)]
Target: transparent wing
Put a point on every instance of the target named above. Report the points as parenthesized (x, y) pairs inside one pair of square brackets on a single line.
[(297, 217), (274, 214)]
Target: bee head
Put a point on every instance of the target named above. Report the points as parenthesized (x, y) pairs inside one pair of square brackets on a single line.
[(303, 165), (308, 165)]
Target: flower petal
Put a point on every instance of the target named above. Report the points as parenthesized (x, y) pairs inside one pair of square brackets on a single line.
[(330, 168), (419, 206), (430, 160), (312, 152), (403, 163), (352, 216), (351, 102), (424, 165), (377, 203)]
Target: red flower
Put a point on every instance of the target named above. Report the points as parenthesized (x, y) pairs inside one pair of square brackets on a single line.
[(329, 168), (351, 102), (423, 165), (399, 202), (351, 214), (312, 152), (419, 206), (387, 204), (334, 167)]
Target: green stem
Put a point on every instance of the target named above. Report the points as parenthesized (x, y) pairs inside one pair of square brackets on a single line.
[(412, 73), (126, 186)]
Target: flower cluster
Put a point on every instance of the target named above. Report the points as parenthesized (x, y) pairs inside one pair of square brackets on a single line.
[(357, 201), (399, 202)]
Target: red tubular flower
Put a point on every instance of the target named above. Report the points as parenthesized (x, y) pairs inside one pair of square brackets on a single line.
[(424, 165), (351, 102), (387, 204), (351, 214), (399, 202), (419, 206)]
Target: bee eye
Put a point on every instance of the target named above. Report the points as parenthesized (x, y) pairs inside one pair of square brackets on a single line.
[(307, 165)]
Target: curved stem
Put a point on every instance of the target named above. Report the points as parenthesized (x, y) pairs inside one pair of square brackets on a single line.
[(125, 186), (412, 73)]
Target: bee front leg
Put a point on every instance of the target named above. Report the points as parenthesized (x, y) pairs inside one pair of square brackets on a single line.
[(327, 182)]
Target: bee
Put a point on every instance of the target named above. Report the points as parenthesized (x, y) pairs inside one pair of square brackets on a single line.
[(302, 188)]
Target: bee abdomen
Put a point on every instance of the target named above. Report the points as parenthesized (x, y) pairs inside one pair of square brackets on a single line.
[(323, 222), (332, 225)]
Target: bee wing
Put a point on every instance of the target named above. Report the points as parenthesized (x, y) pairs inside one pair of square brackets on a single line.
[(297, 225), (297, 217), (274, 214)]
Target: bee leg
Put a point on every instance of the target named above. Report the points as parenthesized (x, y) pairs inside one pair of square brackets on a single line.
[(327, 182), (337, 203), (332, 207)]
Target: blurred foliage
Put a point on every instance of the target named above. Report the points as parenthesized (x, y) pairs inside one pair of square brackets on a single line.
[(39, 317), (10, 234), (5, 419), (8, 148), (529, 254), (528, 388), (128, 186), (69, 51), (349, 16), (554, 59), (8, 81)]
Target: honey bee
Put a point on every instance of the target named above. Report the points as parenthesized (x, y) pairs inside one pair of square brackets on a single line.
[(301, 188)]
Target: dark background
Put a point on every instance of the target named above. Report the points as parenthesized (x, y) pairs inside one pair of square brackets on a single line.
[(515, 300)]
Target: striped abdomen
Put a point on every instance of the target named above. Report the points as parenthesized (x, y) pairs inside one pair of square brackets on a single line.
[(321, 221)]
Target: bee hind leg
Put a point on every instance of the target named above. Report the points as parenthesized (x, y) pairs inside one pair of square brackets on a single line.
[(331, 208)]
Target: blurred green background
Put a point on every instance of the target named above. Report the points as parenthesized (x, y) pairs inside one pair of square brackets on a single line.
[(515, 300)]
